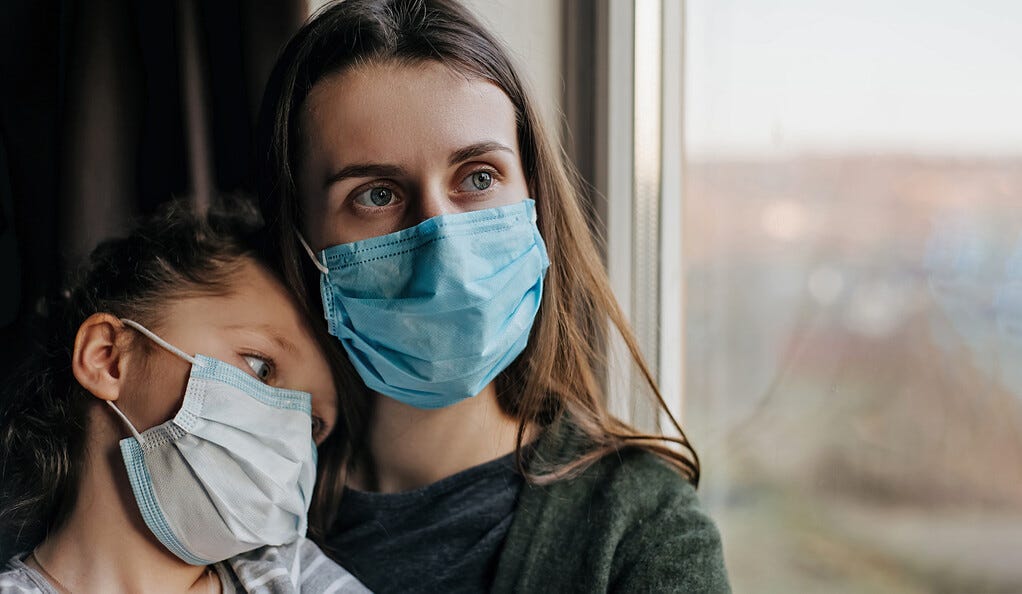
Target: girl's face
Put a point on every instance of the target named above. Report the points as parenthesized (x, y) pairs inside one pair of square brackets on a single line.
[(256, 327), (387, 146)]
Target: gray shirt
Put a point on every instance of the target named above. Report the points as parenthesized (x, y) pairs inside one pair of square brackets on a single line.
[(293, 568), (445, 537)]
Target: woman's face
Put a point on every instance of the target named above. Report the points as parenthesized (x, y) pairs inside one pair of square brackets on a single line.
[(255, 327), (387, 146)]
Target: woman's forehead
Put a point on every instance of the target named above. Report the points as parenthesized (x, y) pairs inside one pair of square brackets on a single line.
[(376, 111)]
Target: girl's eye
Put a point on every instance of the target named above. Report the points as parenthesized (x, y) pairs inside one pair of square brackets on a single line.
[(477, 182), (317, 427), (376, 197), (262, 368)]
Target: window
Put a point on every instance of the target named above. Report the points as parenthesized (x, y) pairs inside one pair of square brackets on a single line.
[(853, 291)]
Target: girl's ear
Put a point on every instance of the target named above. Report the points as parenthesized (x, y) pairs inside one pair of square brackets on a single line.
[(98, 361)]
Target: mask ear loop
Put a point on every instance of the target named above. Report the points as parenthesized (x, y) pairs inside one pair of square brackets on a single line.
[(163, 343), (134, 432), (319, 265), (160, 341)]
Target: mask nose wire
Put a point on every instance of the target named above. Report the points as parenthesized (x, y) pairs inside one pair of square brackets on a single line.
[(312, 254)]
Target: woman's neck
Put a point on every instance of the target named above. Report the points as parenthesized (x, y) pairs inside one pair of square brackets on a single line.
[(412, 447), (104, 546)]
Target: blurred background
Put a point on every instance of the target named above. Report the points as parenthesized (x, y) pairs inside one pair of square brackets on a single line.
[(853, 265), (810, 210), (107, 109)]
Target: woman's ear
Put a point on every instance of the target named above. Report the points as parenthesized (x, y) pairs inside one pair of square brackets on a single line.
[(98, 361)]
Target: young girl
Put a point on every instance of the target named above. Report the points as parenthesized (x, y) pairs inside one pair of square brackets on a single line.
[(165, 433), (445, 242)]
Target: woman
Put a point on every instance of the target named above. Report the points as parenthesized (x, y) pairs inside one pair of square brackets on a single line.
[(452, 260)]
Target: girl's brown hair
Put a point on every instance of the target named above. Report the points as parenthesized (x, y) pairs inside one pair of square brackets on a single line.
[(43, 409), (558, 373)]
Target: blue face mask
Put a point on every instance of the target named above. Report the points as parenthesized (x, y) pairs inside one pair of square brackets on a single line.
[(430, 315)]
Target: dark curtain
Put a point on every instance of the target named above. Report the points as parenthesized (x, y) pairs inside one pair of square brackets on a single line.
[(109, 108)]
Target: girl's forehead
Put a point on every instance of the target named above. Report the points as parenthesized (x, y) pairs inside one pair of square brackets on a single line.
[(252, 297), (258, 314)]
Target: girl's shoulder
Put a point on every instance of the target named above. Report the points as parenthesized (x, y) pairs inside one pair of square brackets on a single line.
[(300, 566), (18, 578)]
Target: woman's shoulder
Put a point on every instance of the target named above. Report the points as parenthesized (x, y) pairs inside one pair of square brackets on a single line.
[(631, 479), (664, 541), (629, 522), (633, 466), (631, 487)]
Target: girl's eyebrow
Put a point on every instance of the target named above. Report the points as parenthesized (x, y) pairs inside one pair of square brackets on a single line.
[(474, 150), (269, 331)]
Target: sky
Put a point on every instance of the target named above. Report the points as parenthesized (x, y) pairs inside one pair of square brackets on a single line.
[(775, 77)]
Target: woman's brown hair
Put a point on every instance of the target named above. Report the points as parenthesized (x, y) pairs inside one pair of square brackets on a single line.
[(558, 373)]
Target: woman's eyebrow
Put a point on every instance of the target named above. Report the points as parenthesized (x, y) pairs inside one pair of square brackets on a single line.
[(382, 170), (364, 170), (474, 150)]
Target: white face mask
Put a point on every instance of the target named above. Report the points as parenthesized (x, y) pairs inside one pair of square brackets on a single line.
[(232, 471)]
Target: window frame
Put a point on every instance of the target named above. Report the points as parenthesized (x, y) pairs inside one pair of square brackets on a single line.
[(623, 67)]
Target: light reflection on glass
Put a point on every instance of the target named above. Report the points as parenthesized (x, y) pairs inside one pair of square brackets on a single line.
[(647, 163)]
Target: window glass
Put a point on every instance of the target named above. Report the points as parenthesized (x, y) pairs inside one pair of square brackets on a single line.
[(853, 302)]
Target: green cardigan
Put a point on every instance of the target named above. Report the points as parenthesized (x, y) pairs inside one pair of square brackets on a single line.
[(629, 523)]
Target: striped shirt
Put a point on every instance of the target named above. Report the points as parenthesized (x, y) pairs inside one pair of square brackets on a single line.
[(299, 567)]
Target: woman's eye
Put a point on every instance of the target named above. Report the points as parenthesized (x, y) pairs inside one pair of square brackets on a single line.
[(262, 368), (477, 181), (376, 197)]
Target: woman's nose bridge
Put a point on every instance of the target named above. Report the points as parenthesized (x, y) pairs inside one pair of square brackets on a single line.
[(432, 201)]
